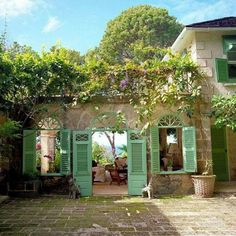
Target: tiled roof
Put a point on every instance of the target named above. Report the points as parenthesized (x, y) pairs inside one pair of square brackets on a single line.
[(222, 22)]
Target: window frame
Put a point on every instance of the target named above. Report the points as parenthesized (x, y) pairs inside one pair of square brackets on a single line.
[(33, 150), (222, 71), (155, 147)]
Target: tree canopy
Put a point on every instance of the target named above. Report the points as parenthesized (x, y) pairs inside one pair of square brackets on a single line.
[(137, 32), (28, 78)]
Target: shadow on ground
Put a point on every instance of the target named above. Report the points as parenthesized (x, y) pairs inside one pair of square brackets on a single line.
[(87, 216)]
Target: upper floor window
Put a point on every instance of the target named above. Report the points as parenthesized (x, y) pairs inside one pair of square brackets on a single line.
[(226, 67)]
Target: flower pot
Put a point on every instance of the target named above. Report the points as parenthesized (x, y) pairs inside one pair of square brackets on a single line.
[(169, 168), (204, 185)]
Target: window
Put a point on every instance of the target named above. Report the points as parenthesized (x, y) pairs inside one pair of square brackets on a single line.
[(173, 147), (46, 152), (226, 68)]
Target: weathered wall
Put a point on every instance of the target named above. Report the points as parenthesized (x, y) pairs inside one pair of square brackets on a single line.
[(205, 48), (178, 184)]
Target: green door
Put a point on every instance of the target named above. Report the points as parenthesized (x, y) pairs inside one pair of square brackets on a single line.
[(219, 153), (82, 161), (137, 164)]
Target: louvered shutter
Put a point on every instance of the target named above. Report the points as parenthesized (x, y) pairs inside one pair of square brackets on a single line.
[(65, 151), (189, 149), (155, 154), (29, 151), (219, 153), (82, 161), (137, 163), (221, 70)]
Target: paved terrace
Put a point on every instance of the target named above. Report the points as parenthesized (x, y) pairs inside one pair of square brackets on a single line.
[(119, 216)]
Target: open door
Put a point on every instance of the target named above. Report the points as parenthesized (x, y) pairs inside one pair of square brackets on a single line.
[(137, 163), (82, 161)]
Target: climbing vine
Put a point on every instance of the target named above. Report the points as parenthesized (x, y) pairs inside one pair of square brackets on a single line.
[(174, 82)]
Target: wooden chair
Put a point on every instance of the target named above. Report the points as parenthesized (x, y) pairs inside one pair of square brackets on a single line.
[(116, 177)]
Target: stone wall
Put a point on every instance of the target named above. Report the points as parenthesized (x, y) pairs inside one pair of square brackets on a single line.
[(177, 184)]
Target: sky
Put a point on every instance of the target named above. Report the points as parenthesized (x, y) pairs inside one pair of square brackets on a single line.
[(80, 24), (100, 138)]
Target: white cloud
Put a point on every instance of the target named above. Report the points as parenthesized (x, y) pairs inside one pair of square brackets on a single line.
[(12, 8), (52, 24), (196, 11)]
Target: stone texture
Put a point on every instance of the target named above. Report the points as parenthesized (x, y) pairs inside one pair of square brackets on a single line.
[(119, 216), (172, 184), (204, 54)]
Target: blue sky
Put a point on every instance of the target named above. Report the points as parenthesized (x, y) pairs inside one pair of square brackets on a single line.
[(80, 24)]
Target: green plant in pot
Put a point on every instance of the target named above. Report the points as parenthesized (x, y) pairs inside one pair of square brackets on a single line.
[(204, 183), (170, 165)]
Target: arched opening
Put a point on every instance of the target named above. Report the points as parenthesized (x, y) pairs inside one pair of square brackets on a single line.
[(170, 143), (48, 146)]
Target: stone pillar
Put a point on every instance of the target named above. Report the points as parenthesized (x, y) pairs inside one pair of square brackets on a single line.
[(47, 148), (203, 125)]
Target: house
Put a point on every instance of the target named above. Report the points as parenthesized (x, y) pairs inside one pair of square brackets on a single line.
[(212, 45), (176, 140)]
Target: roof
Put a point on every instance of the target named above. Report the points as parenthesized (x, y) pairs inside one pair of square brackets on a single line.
[(222, 22)]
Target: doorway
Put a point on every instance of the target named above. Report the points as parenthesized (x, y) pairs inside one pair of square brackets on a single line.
[(109, 163)]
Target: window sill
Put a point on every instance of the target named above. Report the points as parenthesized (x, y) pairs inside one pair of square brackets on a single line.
[(52, 174), (229, 84), (173, 172)]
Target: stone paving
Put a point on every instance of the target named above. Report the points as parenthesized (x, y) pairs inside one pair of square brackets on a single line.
[(119, 216)]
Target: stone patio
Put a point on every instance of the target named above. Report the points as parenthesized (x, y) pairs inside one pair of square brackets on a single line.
[(121, 216)]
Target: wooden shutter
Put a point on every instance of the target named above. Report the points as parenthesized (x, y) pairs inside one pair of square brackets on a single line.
[(155, 154), (137, 162), (29, 151), (219, 153), (189, 149), (221, 70), (65, 151), (82, 161)]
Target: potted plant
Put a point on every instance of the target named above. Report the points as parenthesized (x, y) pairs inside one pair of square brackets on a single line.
[(170, 165), (205, 182)]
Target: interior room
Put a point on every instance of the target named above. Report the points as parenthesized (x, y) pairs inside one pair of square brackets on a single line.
[(170, 141)]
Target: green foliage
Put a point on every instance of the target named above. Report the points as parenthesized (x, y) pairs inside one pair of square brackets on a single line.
[(224, 108), (138, 27), (28, 79), (99, 154), (124, 150), (57, 161), (174, 82), (9, 129)]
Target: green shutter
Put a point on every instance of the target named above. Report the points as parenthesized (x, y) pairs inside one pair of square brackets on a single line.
[(29, 151), (137, 162), (189, 149), (82, 161), (219, 153), (221, 70), (65, 151), (155, 154)]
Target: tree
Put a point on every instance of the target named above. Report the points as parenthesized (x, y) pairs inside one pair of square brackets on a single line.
[(224, 111), (33, 79), (142, 26), (99, 153)]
